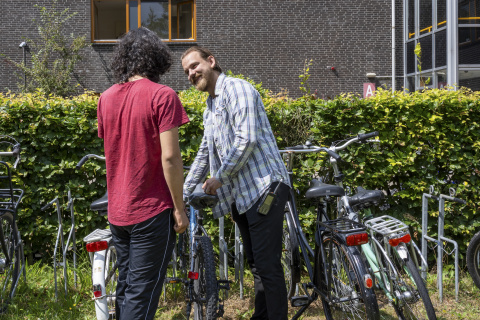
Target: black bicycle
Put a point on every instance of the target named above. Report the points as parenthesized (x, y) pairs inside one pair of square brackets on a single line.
[(12, 261), (195, 262), (338, 275)]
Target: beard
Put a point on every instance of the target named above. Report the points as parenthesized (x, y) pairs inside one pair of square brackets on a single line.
[(203, 80)]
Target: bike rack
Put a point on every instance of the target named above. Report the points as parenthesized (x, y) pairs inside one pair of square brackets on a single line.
[(238, 258), (64, 246), (441, 225)]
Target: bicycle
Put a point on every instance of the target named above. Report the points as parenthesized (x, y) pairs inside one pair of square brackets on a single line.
[(103, 258), (12, 259), (339, 276), (395, 268), (196, 262), (473, 259)]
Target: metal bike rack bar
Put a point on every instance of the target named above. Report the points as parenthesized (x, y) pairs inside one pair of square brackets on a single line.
[(60, 244), (441, 224), (239, 259)]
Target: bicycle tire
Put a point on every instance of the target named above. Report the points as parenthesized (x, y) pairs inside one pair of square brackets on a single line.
[(111, 278), (413, 300), (290, 255), (347, 270), (9, 259), (205, 286), (473, 259)]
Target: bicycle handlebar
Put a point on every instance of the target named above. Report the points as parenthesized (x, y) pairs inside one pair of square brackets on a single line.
[(364, 136), (48, 205), (309, 148), (85, 158)]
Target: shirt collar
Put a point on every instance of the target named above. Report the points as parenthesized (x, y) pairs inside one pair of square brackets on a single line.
[(219, 84)]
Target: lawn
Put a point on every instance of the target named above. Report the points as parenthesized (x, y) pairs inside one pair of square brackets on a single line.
[(35, 299)]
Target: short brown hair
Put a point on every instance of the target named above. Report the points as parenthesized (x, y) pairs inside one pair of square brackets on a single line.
[(204, 53)]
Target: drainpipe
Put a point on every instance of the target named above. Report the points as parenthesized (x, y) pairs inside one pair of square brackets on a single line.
[(393, 46), (452, 43)]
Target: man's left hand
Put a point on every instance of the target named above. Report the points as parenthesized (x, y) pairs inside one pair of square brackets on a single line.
[(211, 185)]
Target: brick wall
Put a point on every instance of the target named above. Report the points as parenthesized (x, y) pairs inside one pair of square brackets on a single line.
[(266, 40)]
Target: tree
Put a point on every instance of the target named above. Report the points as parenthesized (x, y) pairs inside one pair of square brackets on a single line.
[(54, 54)]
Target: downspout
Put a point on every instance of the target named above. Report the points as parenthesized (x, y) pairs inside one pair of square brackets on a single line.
[(393, 46)]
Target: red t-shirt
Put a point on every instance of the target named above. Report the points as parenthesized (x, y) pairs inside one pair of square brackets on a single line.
[(131, 117)]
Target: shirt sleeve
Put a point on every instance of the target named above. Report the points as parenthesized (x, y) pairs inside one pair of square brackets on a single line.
[(169, 110), (241, 105)]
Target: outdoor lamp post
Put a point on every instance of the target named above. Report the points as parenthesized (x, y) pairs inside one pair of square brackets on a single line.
[(23, 45)]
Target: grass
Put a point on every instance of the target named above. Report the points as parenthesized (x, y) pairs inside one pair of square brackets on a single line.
[(35, 298)]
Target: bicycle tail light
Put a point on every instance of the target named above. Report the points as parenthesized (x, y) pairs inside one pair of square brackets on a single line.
[(193, 275), (357, 239), (97, 290), (396, 241), (97, 246), (367, 279)]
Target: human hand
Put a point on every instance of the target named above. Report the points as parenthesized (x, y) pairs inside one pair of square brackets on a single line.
[(211, 185), (181, 220)]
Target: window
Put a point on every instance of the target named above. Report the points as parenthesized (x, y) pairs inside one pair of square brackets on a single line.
[(172, 20)]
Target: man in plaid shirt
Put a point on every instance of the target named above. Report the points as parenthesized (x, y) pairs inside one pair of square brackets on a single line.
[(240, 153)]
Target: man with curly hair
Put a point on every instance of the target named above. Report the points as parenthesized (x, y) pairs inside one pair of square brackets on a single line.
[(138, 118), (239, 151)]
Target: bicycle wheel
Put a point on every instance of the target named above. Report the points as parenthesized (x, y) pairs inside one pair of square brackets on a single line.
[(206, 300), (9, 259), (412, 299), (345, 271), (111, 278), (290, 255), (473, 259)]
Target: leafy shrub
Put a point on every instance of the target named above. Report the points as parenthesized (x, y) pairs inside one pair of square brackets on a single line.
[(427, 138)]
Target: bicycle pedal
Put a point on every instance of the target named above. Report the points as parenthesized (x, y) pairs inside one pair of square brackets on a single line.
[(300, 301), (173, 280), (224, 284)]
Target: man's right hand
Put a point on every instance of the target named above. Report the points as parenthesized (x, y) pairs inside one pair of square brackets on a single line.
[(181, 221)]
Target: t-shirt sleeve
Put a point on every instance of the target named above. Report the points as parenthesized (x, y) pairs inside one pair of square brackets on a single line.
[(169, 110), (99, 119)]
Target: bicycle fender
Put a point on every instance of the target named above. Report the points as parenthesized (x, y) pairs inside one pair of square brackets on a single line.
[(402, 252)]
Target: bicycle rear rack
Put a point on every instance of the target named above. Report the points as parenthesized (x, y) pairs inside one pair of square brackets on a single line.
[(97, 235), (387, 226), (343, 226)]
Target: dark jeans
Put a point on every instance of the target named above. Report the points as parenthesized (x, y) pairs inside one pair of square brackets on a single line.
[(143, 253), (262, 241)]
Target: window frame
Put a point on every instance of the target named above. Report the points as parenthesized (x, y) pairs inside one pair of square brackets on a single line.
[(139, 19)]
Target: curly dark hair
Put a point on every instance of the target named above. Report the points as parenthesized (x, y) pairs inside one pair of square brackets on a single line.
[(141, 52)]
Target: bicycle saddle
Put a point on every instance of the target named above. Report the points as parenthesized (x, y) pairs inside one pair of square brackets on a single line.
[(100, 204), (200, 200), (320, 189), (365, 198)]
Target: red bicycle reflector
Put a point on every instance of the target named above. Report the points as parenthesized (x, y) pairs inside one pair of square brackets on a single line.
[(357, 239), (368, 281), (396, 241), (97, 290), (193, 275), (97, 246)]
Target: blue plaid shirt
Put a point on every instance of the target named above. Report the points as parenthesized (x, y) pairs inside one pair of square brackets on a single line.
[(238, 147)]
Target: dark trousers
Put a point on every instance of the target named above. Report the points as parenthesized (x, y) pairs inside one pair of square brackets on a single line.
[(262, 242), (143, 253)]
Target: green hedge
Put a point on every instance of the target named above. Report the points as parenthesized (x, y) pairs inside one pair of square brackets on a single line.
[(427, 138)]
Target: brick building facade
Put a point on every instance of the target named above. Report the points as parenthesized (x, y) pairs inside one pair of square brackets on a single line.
[(266, 40)]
